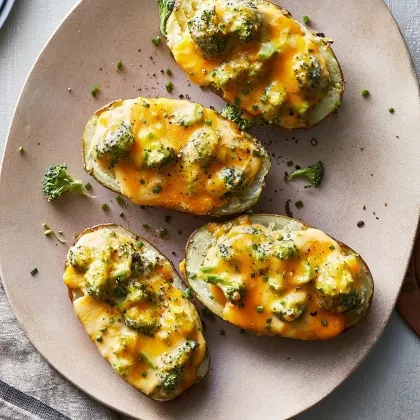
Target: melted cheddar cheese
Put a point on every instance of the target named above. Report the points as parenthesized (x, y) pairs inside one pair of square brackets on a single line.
[(123, 294), (175, 154), (295, 282), (254, 56)]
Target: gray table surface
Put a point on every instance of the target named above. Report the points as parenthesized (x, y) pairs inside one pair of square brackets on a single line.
[(386, 385)]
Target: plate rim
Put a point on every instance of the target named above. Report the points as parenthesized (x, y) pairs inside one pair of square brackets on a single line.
[(380, 331)]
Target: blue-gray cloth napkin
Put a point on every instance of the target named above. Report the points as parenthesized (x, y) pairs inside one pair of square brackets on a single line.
[(30, 389)]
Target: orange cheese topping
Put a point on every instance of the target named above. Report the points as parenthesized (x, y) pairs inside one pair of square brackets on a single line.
[(251, 255), (137, 357), (182, 175), (292, 45)]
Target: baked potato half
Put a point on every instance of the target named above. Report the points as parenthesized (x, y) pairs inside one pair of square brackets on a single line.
[(273, 275), (130, 301), (253, 54), (174, 154)]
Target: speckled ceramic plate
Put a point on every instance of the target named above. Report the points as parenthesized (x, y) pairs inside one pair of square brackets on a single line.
[(371, 157)]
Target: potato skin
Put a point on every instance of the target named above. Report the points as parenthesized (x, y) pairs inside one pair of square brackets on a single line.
[(101, 180), (206, 360), (286, 13), (345, 248)]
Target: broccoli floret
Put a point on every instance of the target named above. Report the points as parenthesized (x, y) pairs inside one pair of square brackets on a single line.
[(335, 288), (233, 178), (165, 10), (245, 21), (286, 249), (215, 35), (260, 251), (122, 366), (116, 143), (208, 34), (97, 280), (233, 290), (308, 73), (57, 182), (272, 100), (201, 147), (80, 257), (173, 370), (188, 117), (234, 114), (313, 174), (137, 316), (290, 307), (108, 275), (225, 252), (145, 321), (158, 155)]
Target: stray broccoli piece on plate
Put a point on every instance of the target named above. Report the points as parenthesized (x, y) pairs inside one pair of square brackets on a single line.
[(57, 182), (313, 174), (234, 114), (165, 10)]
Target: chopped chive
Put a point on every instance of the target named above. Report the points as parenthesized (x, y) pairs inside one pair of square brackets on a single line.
[(144, 374), (142, 181), (88, 186), (169, 86), (103, 329), (21, 149), (324, 322), (332, 247), (162, 233), (34, 271), (157, 189), (237, 101), (254, 107), (391, 110), (268, 320), (306, 20), (118, 65), (265, 279), (120, 200), (140, 244), (169, 72), (187, 293), (365, 93), (208, 122), (299, 204), (290, 163), (95, 90), (245, 91), (104, 207), (111, 320), (156, 41), (99, 339), (260, 309), (146, 226), (193, 276)]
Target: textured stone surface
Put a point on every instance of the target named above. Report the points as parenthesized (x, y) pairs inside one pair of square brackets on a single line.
[(385, 386)]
